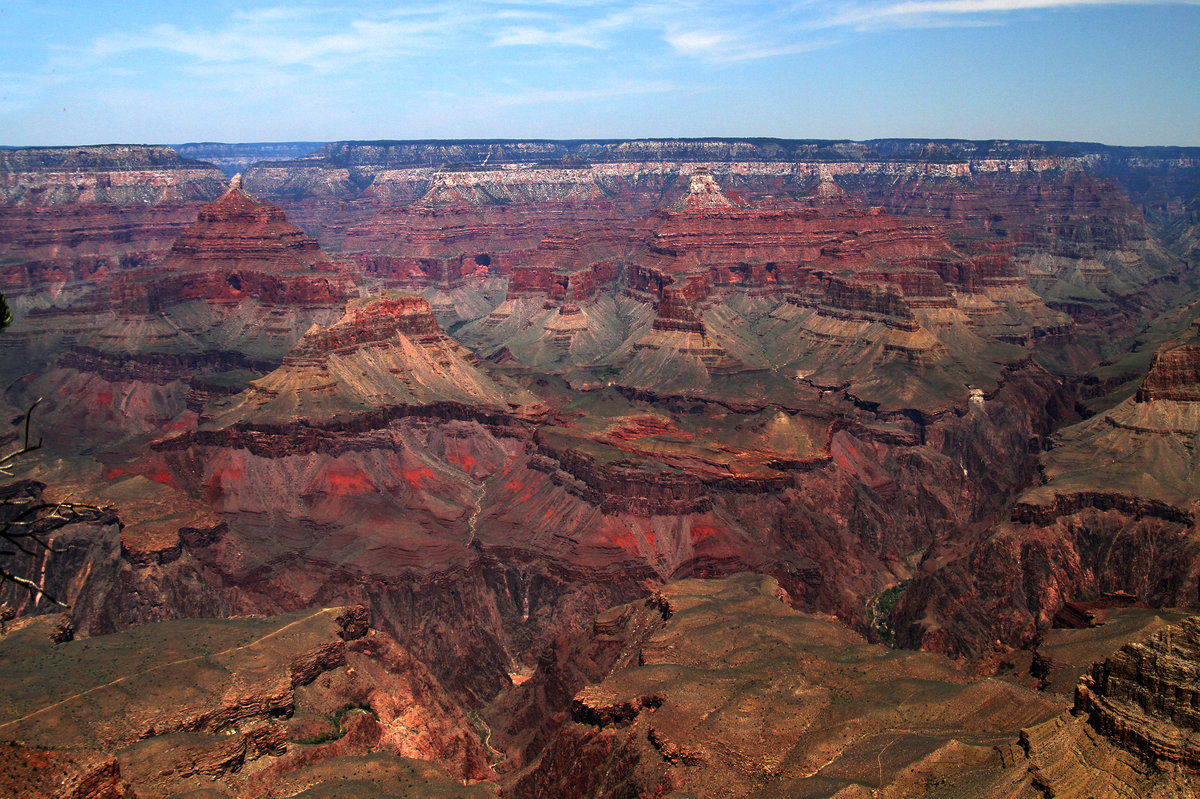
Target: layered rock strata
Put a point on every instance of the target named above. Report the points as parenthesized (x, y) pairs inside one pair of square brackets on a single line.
[(827, 295), (384, 353), (233, 293), (1113, 512), (1068, 212), (80, 214), (802, 385), (1174, 373), (1143, 697), (231, 707), (718, 688)]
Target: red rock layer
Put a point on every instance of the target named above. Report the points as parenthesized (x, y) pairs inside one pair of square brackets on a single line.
[(66, 244), (1174, 375), (441, 241), (238, 248), (371, 323), (54, 773), (83, 213), (571, 264), (1145, 698), (706, 247)]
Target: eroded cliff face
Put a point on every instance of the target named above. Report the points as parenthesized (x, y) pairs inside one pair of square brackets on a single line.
[(718, 688), (1142, 698), (627, 364), (1174, 374), (381, 446), (479, 536), (1071, 215), (75, 215), (245, 707), (152, 345), (716, 295), (1112, 510)]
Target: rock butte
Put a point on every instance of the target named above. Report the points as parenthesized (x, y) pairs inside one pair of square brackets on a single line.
[(423, 507)]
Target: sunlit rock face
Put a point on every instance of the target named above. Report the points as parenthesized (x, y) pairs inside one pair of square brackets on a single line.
[(1141, 697), (74, 215), (233, 293), (714, 289), (516, 384), (1174, 373), (384, 353), (235, 707), (1112, 510)]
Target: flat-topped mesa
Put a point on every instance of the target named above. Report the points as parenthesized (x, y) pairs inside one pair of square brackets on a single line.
[(371, 322), (571, 263), (703, 194), (1174, 373), (132, 176), (921, 287), (971, 269), (1145, 699)]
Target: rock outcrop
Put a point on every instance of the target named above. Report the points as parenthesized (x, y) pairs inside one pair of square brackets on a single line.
[(57, 773), (1113, 511), (229, 706), (235, 291), (1143, 697), (72, 215), (837, 364), (383, 356), (718, 688), (1069, 212), (239, 248), (1174, 373)]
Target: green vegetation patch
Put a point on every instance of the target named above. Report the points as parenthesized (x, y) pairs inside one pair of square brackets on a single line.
[(880, 609), (339, 729)]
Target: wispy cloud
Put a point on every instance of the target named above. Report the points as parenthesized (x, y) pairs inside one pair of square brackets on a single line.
[(730, 45), (328, 39), (422, 64), (526, 36), (590, 25), (918, 12), (279, 37)]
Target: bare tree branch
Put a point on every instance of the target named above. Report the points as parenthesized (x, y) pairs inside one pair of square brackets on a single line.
[(27, 523), (26, 447)]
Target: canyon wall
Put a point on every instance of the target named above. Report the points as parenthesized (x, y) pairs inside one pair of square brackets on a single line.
[(854, 369)]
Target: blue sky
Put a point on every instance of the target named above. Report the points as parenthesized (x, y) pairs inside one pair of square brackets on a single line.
[(166, 71)]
